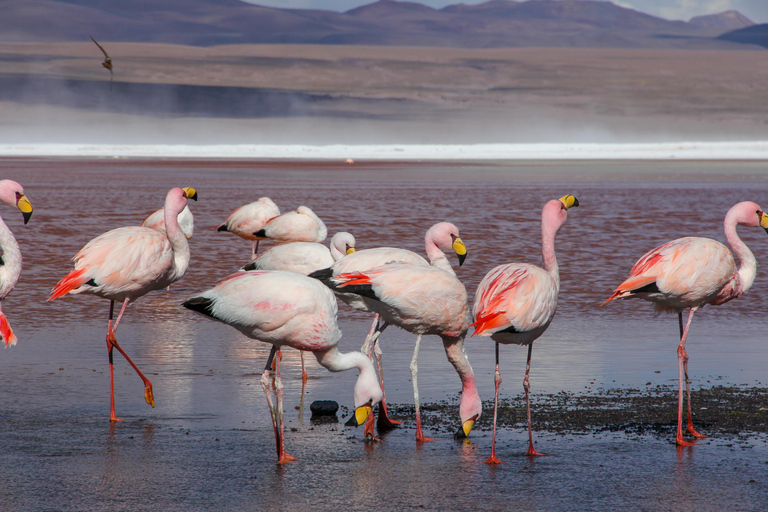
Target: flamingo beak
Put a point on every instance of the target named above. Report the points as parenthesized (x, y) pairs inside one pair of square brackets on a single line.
[(763, 220), (190, 193), (360, 416), (461, 250), (350, 250), (466, 428), (569, 201), (23, 204)]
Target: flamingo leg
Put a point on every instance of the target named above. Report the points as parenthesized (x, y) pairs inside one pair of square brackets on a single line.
[(368, 343), (268, 393), (149, 396), (682, 370), (384, 421), (527, 385), (497, 381), (283, 457), (414, 377), (254, 249), (304, 375), (688, 385), (112, 416)]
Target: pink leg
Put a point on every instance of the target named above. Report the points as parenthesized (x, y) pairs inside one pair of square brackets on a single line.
[(268, 394), (527, 385), (384, 421), (254, 249), (497, 381), (682, 357), (283, 457), (414, 377), (304, 375)]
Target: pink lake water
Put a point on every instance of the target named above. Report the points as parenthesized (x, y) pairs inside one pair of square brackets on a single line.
[(208, 443)]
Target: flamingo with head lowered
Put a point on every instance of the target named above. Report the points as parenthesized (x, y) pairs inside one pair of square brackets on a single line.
[(516, 302), (289, 309), (11, 194), (125, 263), (688, 273)]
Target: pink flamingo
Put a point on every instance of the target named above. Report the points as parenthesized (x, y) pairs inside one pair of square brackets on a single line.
[(304, 258), (302, 225), (248, 219), (422, 300), (289, 309), (691, 272), (516, 302), (11, 194), (156, 221), (125, 263), (439, 237)]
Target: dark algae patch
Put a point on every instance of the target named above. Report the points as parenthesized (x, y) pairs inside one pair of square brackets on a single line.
[(721, 411)]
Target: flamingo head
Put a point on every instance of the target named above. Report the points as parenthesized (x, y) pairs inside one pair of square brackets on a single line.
[(12, 194), (555, 212), (342, 244), (446, 236), (763, 220), (190, 193)]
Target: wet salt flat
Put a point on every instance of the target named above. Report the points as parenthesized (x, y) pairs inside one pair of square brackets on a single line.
[(208, 443)]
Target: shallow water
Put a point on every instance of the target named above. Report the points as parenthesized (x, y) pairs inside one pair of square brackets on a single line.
[(208, 443)]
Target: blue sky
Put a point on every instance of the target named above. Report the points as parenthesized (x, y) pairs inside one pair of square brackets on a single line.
[(756, 10)]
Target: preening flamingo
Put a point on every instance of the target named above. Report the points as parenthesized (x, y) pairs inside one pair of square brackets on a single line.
[(156, 221), (302, 225), (422, 300), (289, 309), (248, 219), (439, 237), (516, 302), (304, 258), (125, 263), (689, 273), (11, 194)]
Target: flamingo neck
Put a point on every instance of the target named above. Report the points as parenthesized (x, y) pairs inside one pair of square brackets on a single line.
[(436, 256), (367, 385), (178, 240), (748, 264), (470, 399), (548, 232), (11, 269)]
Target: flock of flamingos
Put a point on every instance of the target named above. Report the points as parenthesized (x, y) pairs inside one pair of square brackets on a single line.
[(287, 295)]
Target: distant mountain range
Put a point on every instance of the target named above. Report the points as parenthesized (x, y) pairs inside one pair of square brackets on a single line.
[(496, 23)]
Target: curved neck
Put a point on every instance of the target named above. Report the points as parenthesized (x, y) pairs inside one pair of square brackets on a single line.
[(178, 240), (548, 232), (436, 256), (367, 385), (11, 260), (470, 398), (748, 268)]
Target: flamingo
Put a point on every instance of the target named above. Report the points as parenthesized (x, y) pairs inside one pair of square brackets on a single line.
[(691, 272), (125, 263), (156, 221), (516, 302), (289, 309), (304, 258), (439, 237), (302, 225), (422, 300), (248, 219), (11, 194)]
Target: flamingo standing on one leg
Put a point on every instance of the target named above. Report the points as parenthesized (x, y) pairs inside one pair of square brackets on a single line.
[(422, 300), (125, 263), (289, 309), (304, 258), (156, 221), (439, 237), (516, 302), (248, 219), (691, 272), (11, 194)]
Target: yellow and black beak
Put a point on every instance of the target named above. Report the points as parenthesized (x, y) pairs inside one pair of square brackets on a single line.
[(360, 416), (23, 204), (569, 201), (466, 428), (461, 250), (190, 193), (350, 250), (763, 220)]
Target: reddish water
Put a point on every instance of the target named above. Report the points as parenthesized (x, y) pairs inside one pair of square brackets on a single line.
[(54, 403)]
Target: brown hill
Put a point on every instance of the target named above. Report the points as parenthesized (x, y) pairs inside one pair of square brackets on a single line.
[(728, 20)]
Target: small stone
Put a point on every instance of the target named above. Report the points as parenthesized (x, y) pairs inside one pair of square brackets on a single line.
[(324, 408)]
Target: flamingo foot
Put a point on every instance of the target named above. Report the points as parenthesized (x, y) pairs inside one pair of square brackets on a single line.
[(368, 431), (420, 437), (695, 434), (493, 459), (114, 419), (284, 457), (679, 441), (304, 376), (384, 421), (532, 452), (149, 396)]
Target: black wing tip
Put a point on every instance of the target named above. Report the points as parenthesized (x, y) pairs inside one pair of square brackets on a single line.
[(323, 274), (250, 266), (223, 227), (202, 305), (260, 233)]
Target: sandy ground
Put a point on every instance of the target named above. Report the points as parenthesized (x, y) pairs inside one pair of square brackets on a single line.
[(350, 93)]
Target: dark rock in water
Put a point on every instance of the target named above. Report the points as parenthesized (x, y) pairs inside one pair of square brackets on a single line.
[(324, 408)]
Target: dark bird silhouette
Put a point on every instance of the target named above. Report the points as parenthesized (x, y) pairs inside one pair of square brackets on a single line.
[(107, 62)]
